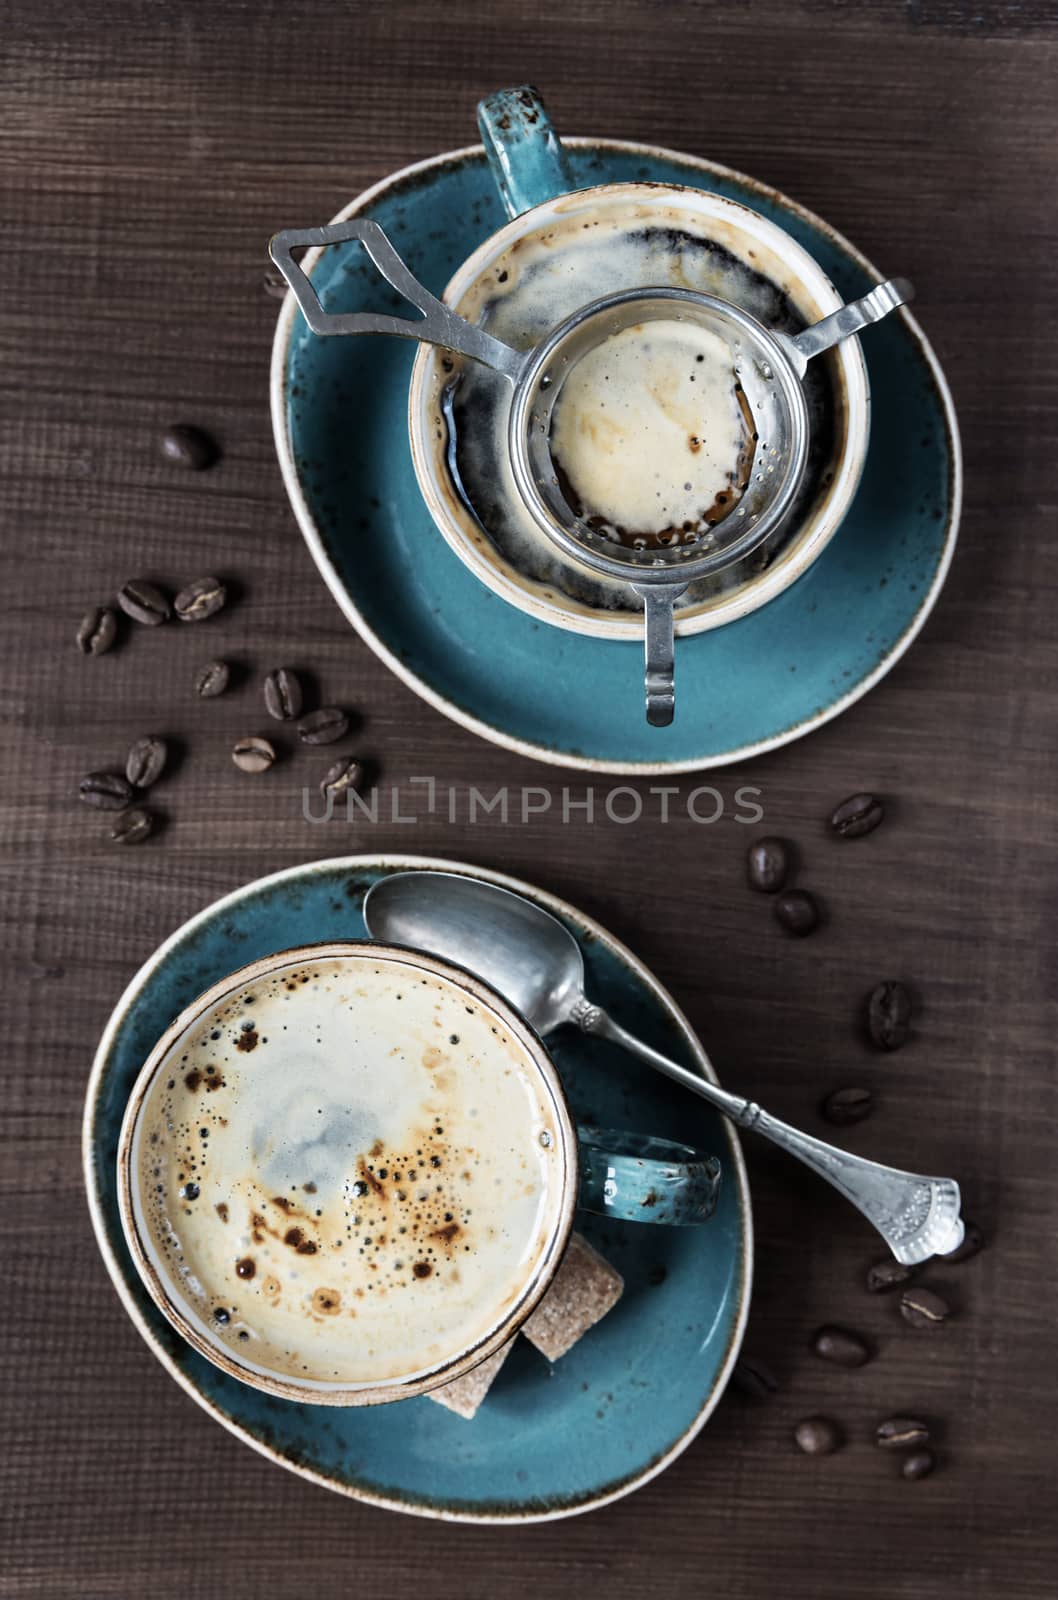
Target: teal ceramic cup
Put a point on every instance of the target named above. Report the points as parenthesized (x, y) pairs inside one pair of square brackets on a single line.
[(348, 1172), (718, 247)]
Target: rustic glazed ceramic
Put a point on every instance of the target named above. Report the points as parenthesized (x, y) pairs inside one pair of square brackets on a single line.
[(390, 999), (549, 1441), (340, 416)]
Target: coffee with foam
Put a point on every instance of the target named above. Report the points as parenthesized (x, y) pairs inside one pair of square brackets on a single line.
[(545, 275), (651, 434), (347, 1171)]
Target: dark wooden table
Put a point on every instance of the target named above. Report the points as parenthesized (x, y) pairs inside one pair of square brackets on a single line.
[(146, 152)]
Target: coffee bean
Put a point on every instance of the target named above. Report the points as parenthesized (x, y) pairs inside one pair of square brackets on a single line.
[(797, 911), (751, 1377), (201, 599), (274, 284), (186, 446), (817, 1436), (886, 1275), (97, 632), (845, 1107), (144, 602), (842, 1348), (346, 773), (900, 1433), (889, 1015), (253, 755), (767, 863), (132, 827), (282, 694), (972, 1242), (106, 791), (921, 1308), (145, 762), (212, 679), (323, 726), (918, 1465), (859, 814)]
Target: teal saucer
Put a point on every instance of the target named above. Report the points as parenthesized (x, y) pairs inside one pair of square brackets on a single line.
[(549, 1441), (558, 696)]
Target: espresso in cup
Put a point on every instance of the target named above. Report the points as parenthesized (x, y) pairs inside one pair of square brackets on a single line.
[(347, 1172), (626, 462)]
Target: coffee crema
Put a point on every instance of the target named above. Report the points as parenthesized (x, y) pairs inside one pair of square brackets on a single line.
[(651, 435), (348, 1171)]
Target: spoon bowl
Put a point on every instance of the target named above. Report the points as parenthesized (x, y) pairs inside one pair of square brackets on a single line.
[(522, 950)]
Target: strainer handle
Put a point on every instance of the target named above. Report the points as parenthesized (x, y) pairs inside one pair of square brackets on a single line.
[(438, 325), (848, 320), (659, 600)]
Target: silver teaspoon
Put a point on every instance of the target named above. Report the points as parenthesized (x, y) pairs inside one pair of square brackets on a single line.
[(536, 964)]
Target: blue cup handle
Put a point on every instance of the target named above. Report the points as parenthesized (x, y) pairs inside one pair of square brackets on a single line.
[(524, 151), (640, 1179)]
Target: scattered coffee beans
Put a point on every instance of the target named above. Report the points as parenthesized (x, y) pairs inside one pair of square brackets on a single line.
[(859, 814), (845, 1107), (97, 632), (919, 1464), (817, 1436), (282, 694), (889, 1015), (842, 1348), (900, 1433), (201, 599), (972, 1242), (797, 912), (106, 791), (132, 827), (767, 864), (186, 446), (145, 762), (921, 1308), (751, 1377), (886, 1275), (323, 726), (212, 679), (144, 602), (253, 755), (345, 774)]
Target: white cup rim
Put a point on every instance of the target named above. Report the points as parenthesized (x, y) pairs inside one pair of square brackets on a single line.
[(337, 1392)]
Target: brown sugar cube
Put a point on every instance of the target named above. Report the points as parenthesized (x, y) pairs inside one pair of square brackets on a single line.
[(464, 1395), (584, 1289)]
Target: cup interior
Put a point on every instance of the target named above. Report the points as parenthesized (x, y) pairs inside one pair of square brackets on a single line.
[(347, 1173), (543, 266)]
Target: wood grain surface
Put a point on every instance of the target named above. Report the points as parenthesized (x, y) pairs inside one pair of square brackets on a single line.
[(146, 154)]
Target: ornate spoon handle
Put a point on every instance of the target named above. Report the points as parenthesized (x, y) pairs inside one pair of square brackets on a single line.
[(918, 1217)]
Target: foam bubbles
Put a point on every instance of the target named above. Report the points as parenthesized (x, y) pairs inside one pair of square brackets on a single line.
[(361, 1194), (649, 433)]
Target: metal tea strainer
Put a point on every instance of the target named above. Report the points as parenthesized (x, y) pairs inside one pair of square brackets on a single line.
[(767, 366)]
